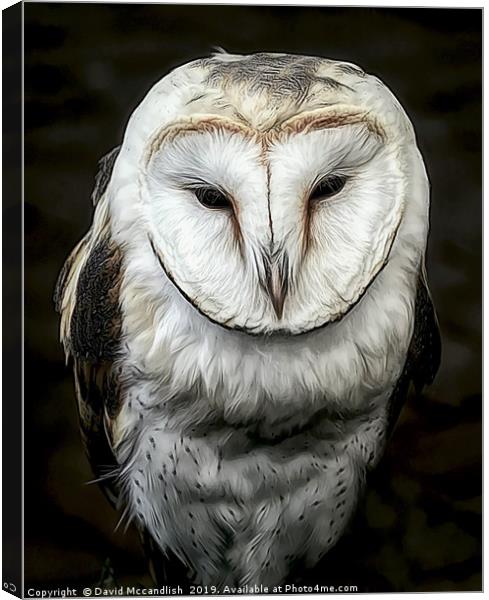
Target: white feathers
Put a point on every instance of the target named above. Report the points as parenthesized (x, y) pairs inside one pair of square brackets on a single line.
[(200, 247), (241, 452)]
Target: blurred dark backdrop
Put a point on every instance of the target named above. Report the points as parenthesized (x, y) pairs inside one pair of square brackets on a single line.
[(87, 66)]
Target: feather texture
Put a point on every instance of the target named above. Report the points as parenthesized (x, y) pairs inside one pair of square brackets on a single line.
[(238, 369)]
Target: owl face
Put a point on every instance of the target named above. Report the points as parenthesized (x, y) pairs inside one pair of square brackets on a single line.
[(270, 214)]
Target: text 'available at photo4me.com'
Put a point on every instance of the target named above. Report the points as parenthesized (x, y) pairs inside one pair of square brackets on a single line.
[(192, 590)]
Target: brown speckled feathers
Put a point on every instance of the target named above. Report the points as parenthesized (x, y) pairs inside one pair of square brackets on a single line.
[(94, 337)]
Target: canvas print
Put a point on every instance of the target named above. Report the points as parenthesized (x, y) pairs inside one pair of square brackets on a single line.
[(253, 299)]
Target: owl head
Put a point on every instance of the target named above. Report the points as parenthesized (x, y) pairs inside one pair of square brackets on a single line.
[(268, 192)]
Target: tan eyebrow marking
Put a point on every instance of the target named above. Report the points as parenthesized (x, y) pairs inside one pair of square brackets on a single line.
[(329, 118), (202, 124)]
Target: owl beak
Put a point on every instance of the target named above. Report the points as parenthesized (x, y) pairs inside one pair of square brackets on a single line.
[(277, 295), (277, 283)]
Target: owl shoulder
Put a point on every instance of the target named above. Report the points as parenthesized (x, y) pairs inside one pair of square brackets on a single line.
[(424, 353), (87, 297)]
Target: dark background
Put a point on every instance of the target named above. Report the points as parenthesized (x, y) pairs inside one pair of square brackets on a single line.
[(87, 66)]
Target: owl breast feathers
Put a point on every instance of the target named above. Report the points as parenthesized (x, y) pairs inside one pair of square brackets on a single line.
[(248, 309)]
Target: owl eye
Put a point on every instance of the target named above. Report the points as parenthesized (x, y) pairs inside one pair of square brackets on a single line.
[(212, 198), (327, 187)]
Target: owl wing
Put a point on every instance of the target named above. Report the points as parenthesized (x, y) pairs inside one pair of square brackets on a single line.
[(87, 298), (424, 353)]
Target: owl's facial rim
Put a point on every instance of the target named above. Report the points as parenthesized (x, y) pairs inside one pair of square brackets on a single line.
[(276, 332), (331, 118)]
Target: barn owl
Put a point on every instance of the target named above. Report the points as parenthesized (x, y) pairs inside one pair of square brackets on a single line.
[(248, 309)]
